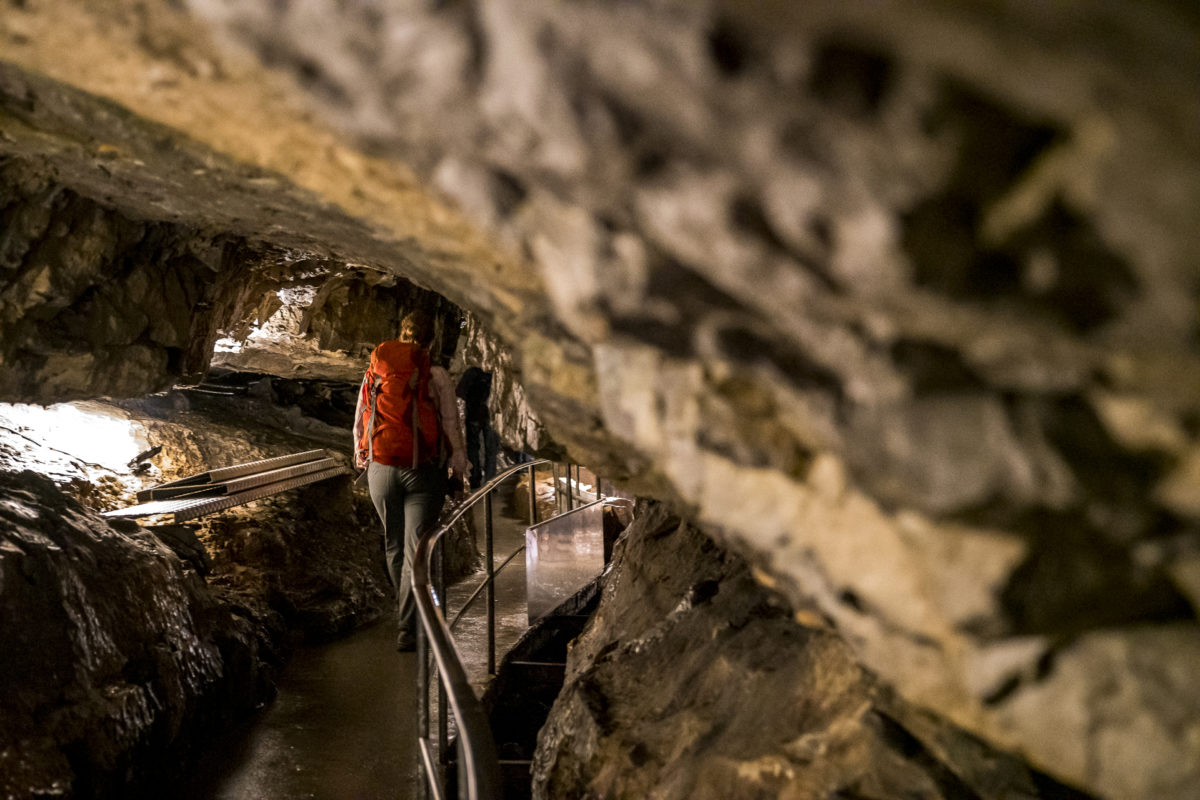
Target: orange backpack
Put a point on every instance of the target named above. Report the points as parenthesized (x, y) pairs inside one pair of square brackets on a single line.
[(400, 422)]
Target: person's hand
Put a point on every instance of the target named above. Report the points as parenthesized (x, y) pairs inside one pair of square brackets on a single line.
[(360, 459), (458, 482)]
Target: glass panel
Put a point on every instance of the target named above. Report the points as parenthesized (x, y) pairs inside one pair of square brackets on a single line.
[(561, 556)]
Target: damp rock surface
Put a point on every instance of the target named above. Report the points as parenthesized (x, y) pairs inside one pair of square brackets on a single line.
[(898, 302), (753, 699), (119, 661)]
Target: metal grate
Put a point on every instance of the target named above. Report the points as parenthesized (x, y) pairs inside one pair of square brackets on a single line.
[(241, 484), (263, 478), (195, 483)]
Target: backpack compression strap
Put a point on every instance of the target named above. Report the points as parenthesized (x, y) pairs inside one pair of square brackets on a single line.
[(416, 426), (373, 384)]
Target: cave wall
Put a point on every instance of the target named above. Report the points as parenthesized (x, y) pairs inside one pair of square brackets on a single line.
[(96, 303), (323, 322), (118, 662), (898, 302), (725, 720), (510, 415)]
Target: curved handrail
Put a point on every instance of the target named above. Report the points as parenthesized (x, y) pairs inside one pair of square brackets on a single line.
[(466, 606), (481, 767)]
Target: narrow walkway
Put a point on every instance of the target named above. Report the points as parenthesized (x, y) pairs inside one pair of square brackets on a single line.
[(508, 533), (343, 726)]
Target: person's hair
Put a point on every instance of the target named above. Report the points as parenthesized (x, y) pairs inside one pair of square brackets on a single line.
[(417, 326)]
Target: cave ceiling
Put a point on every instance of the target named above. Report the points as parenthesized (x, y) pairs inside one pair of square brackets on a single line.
[(846, 282)]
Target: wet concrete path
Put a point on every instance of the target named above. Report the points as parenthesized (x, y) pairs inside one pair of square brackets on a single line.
[(343, 725), (511, 620)]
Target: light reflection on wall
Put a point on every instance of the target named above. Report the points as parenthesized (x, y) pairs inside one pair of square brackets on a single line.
[(41, 437), (284, 325)]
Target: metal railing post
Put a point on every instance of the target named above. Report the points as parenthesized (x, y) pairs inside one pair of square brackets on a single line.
[(570, 490), (491, 590), (439, 588), (532, 494), (423, 699), (554, 480), (443, 728)]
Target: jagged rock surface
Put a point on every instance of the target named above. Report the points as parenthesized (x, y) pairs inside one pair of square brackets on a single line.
[(117, 661), (899, 301), (752, 700)]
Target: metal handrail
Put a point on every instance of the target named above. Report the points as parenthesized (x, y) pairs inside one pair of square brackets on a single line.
[(480, 770), (575, 510), (484, 583)]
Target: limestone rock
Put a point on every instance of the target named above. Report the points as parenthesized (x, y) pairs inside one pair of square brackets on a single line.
[(810, 271), (117, 662), (1115, 709), (1180, 490), (1186, 574), (729, 716)]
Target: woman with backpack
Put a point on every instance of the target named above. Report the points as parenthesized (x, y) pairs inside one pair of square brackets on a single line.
[(406, 435)]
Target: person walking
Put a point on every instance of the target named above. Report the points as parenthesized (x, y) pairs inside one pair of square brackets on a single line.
[(407, 436), (475, 388)]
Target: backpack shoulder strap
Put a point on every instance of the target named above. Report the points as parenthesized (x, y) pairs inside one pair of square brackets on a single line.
[(371, 383)]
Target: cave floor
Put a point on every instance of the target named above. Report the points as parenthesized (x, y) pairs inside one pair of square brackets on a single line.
[(508, 534), (343, 724)]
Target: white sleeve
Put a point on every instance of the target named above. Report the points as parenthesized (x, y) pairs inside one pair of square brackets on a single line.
[(358, 415), (447, 408)]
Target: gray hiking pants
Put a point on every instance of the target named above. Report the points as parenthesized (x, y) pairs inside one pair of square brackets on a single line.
[(407, 501)]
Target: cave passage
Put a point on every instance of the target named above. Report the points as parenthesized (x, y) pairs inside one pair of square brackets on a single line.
[(344, 721), (889, 313), (337, 704), (341, 725)]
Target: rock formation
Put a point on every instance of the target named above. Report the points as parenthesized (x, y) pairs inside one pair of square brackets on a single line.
[(897, 302), (117, 660), (756, 699)]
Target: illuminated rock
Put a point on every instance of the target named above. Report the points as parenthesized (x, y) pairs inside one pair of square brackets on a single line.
[(840, 282), (118, 662)]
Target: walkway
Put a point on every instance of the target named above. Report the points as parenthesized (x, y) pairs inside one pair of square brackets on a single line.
[(343, 725), (508, 534)]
